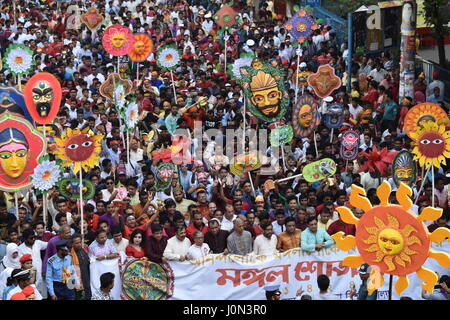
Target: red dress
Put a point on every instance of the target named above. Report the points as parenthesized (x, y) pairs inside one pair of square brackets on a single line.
[(132, 252)]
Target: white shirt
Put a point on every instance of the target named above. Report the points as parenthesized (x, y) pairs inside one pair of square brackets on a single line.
[(324, 296), (176, 248), (262, 245), (137, 155), (278, 229), (121, 246), (37, 295), (196, 252), (227, 224), (378, 76)]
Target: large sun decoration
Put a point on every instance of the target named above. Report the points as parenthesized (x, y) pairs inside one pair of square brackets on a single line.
[(391, 238), (80, 148), (118, 40), (142, 47), (421, 113), (432, 144)]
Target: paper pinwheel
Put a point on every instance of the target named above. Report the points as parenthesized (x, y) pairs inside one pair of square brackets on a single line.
[(18, 59), (168, 57), (118, 40)]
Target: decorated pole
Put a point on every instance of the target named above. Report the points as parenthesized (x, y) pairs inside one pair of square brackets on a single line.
[(407, 49), (173, 86), (16, 202), (289, 178), (432, 186), (296, 78), (225, 38), (81, 207), (422, 184)]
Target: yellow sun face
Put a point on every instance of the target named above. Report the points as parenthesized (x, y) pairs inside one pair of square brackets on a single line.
[(80, 148), (432, 144), (391, 238)]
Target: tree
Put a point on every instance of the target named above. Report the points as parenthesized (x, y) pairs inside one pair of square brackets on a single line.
[(434, 18), (342, 7)]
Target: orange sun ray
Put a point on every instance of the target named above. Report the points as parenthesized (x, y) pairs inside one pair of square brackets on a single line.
[(430, 214), (344, 243), (347, 215), (440, 234), (383, 193), (358, 199), (403, 196), (442, 258), (429, 278), (401, 284), (353, 261), (389, 262), (376, 280)]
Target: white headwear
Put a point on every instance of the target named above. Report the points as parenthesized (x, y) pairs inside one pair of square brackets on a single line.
[(8, 260)]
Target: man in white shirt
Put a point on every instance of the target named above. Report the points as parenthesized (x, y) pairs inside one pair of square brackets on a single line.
[(266, 243), (227, 221), (278, 225), (208, 23), (323, 282), (119, 242), (178, 246), (199, 249), (378, 73)]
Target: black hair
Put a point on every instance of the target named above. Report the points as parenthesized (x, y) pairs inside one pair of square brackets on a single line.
[(279, 212), (99, 232), (289, 219), (106, 280), (59, 216), (323, 282), (115, 230), (311, 218), (136, 232), (263, 215), (27, 233), (155, 228), (178, 228)]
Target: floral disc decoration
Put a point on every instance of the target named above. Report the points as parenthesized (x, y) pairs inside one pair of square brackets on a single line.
[(142, 47), (119, 98), (92, 18), (226, 17), (80, 148), (305, 116), (132, 115), (163, 175), (108, 87), (43, 97), (264, 89), (234, 70), (281, 135), (21, 146), (324, 81), (404, 169), (391, 238), (432, 144), (168, 57), (421, 113), (18, 59), (70, 188), (46, 174), (118, 40), (301, 26)]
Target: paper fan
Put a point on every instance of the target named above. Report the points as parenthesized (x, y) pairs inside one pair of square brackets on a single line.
[(46, 175), (18, 59), (168, 57)]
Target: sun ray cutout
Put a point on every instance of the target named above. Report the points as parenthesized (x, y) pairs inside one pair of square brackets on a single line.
[(391, 238)]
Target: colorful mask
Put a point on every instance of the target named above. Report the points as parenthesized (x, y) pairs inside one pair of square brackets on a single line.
[(301, 25), (334, 116), (404, 168), (80, 148), (432, 144), (422, 113), (70, 188), (349, 145), (305, 116), (281, 135), (164, 174), (264, 89), (324, 81), (246, 163), (117, 40), (92, 19), (142, 47), (43, 97), (391, 238), (319, 170), (20, 147), (12, 101), (107, 88), (51, 131)]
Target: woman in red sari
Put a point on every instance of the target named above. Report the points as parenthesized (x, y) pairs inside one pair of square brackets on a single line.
[(135, 247)]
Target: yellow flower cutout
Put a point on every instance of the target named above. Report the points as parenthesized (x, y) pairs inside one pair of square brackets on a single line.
[(79, 147), (391, 238), (432, 144)]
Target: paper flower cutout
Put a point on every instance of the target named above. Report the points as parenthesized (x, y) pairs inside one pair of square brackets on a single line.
[(420, 113), (377, 161), (281, 135), (18, 59), (80, 148), (132, 115), (305, 116), (392, 238), (301, 26), (432, 144), (92, 18), (234, 70), (324, 81), (117, 40), (107, 88), (142, 47), (226, 17), (46, 175), (168, 57), (119, 98)]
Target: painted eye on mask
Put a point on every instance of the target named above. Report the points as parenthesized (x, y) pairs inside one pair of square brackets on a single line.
[(425, 141), (73, 146), (86, 144), (437, 141)]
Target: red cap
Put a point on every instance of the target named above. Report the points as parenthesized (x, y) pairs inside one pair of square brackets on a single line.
[(25, 258), (28, 291)]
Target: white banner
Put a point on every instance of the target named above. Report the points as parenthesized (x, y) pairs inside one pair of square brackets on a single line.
[(233, 277), (97, 268)]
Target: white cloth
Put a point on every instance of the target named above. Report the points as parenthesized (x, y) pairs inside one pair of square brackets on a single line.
[(176, 248), (4, 278), (35, 252), (37, 295), (8, 260), (324, 296), (196, 252), (226, 224), (262, 245)]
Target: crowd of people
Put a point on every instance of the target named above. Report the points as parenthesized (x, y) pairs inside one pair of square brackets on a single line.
[(206, 208)]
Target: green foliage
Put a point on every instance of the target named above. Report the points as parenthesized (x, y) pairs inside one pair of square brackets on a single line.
[(342, 7), (433, 16)]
